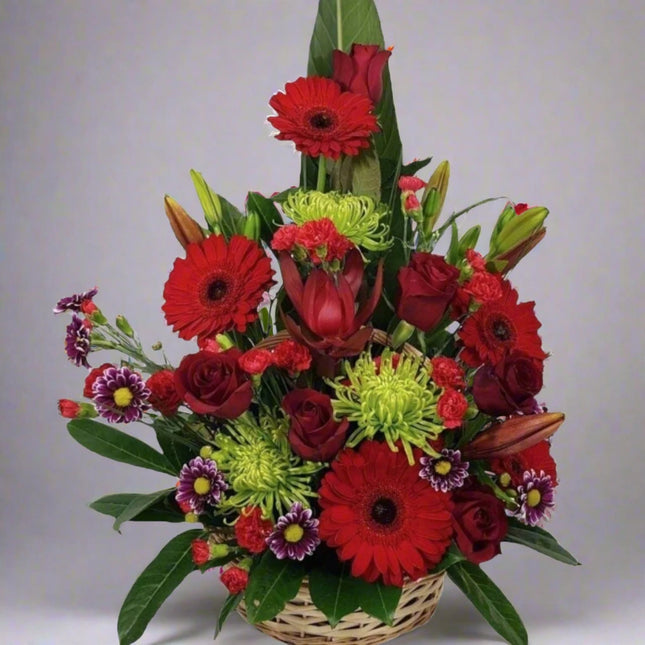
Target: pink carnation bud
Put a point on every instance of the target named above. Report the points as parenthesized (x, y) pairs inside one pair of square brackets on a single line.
[(411, 183)]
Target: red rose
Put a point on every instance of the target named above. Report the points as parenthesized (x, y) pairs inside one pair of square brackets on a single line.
[(201, 552), (451, 407), (91, 377), (214, 384), (292, 356), (163, 393), (446, 372), (509, 386), (251, 530), (480, 524), (314, 434), (427, 286), (361, 71), (255, 361), (234, 579)]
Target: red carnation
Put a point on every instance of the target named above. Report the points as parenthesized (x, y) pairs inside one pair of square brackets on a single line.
[(284, 238), (410, 183), (447, 373), (255, 361), (484, 287), (234, 579), (69, 409), (537, 458), (217, 287), (499, 328), (476, 260), (323, 241), (361, 71), (163, 393), (292, 356), (251, 530), (452, 407), (201, 552), (214, 384), (321, 119), (91, 377)]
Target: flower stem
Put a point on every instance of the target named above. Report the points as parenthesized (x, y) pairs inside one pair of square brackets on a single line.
[(339, 25), (322, 174)]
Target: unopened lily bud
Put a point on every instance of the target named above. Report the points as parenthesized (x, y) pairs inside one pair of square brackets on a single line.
[(434, 197), (252, 226), (124, 326), (210, 201), (504, 262), (185, 228)]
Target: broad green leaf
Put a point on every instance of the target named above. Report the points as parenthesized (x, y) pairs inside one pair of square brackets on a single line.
[(489, 600), (378, 600), (114, 505), (271, 584), (229, 606), (366, 175), (139, 504), (333, 593), (119, 446), (450, 557), (538, 539), (177, 448), (158, 580), (413, 167), (270, 217)]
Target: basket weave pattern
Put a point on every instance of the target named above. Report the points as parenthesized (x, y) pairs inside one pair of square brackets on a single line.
[(302, 623)]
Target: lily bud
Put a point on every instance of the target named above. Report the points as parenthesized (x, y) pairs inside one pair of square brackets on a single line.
[(252, 226), (504, 262), (513, 435), (185, 228), (434, 196)]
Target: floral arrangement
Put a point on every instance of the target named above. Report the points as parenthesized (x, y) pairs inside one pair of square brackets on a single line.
[(357, 409)]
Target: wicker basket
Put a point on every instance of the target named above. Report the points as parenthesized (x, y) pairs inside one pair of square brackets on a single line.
[(302, 623)]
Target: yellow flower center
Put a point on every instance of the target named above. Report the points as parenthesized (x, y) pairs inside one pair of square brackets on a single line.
[(443, 467), (202, 485), (505, 480), (533, 498), (293, 533), (122, 397)]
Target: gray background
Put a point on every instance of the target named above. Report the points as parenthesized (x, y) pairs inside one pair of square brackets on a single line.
[(107, 105)]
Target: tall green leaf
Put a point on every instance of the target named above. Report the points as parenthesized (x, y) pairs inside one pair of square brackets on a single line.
[(119, 446), (489, 600), (333, 593), (270, 218), (271, 584), (378, 600), (177, 448), (159, 579), (137, 505), (450, 557), (230, 604), (538, 539), (114, 505)]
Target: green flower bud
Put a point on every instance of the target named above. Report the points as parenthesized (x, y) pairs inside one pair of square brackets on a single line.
[(210, 202), (205, 452), (156, 346), (434, 197), (252, 226), (97, 317), (219, 551), (224, 342), (124, 326), (402, 333)]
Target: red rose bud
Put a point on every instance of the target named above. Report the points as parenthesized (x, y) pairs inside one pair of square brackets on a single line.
[(513, 435), (91, 377), (163, 393), (201, 552), (185, 228), (361, 71), (314, 434), (434, 197), (426, 287), (211, 383), (480, 524), (255, 361), (234, 579), (452, 407), (508, 387)]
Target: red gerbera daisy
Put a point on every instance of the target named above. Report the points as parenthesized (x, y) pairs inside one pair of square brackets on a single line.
[(217, 286), (500, 327), (378, 513), (321, 119)]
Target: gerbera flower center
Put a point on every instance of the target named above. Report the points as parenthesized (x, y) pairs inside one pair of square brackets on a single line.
[(501, 329), (122, 397), (533, 498), (321, 120), (202, 486), (293, 533), (442, 467), (384, 511), (217, 290)]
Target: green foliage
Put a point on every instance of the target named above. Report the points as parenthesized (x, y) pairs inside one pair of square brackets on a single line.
[(378, 600), (138, 504), (119, 446), (221, 216), (538, 539), (229, 606), (489, 600), (158, 580), (270, 218), (272, 583), (334, 593), (159, 511), (177, 448), (450, 557)]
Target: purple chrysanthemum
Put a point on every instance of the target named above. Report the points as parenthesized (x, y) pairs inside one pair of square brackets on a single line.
[(74, 302), (535, 498), (295, 534), (201, 484), (77, 341), (121, 395), (445, 472)]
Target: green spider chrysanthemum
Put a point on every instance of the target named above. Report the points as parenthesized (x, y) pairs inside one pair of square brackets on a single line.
[(398, 401), (358, 218), (260, 467)]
